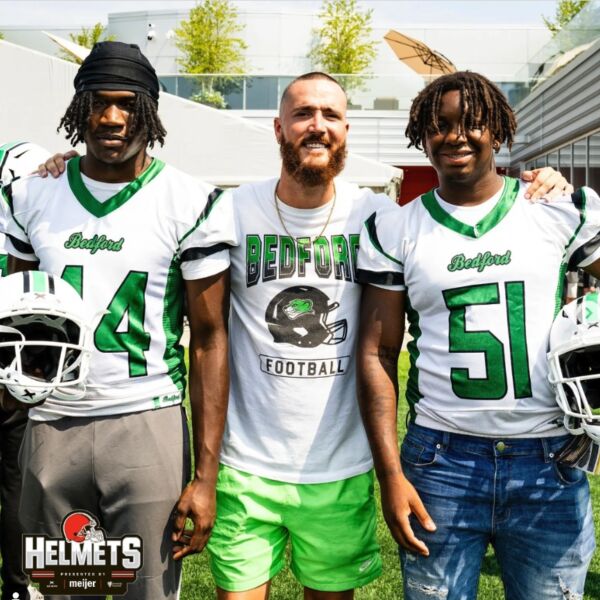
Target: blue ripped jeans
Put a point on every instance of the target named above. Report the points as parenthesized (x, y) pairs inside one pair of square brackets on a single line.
[(509, 493)]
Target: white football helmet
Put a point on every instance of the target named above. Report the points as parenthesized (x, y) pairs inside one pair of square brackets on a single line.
[(45, 338), (574, 363)]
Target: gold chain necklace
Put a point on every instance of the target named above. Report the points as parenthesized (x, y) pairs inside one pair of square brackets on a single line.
[(277, 201)]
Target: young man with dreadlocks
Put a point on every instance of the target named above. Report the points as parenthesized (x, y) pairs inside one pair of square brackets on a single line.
[(121, 227), (478, 270), (17, 160)]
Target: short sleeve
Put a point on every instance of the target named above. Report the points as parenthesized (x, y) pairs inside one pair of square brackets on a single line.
[(17, 241), (204, 249), (584, 248), (379, 263)]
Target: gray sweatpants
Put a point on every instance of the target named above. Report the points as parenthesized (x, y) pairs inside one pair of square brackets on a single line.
[(128, 470)]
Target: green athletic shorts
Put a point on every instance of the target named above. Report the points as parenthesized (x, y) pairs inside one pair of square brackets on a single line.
[(331, 527)]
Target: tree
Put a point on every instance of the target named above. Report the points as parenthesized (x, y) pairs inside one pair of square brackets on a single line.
[(344, 44), (565, 11), (87, 37), (209, 43)]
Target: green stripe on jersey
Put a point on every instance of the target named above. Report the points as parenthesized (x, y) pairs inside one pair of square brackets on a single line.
[(371, 226), (558, 294), (172, 320), (502, 208), (211, 202), (580, 202), (101, 209), (5, 198)]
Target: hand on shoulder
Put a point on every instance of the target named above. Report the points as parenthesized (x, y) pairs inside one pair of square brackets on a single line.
[(56, 164)]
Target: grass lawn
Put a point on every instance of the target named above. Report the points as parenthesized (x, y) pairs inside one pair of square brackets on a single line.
[(197, 583)]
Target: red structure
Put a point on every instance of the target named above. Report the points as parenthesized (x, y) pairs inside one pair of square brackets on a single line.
[(418, 180)]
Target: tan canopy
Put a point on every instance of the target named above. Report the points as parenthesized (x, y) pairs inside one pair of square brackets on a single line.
[(417, 55)]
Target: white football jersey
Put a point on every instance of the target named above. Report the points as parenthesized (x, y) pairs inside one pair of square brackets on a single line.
[(127, 257), (17, 160), (293, 414), (481, 299)]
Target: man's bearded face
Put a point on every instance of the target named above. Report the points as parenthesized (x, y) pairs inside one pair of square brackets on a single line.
[(306, 171)]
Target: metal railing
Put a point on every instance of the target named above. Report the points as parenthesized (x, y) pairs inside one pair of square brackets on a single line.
[(263, 92), (575, 38)]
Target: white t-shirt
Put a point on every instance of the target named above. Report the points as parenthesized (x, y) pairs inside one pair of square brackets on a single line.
[(472, 214), (102, 190), (481, 301), (293, 414), (127, 257)]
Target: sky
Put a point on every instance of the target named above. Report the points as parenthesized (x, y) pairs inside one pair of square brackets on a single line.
[(386, 13)]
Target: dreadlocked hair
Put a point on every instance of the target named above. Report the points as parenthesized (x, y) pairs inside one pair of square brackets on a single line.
[(483, 106), (145, 118)]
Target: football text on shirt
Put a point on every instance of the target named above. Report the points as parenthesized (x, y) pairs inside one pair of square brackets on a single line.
[(279, 256)]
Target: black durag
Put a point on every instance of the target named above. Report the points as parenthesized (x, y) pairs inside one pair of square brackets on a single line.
[(116, 66)]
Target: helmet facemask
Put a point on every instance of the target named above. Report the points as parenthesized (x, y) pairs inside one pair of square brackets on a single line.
[(45, 339), (39, 353), (579, 388), (574, 362)]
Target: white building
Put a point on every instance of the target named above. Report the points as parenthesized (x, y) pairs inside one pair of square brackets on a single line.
[(213, 145), (279, 40)]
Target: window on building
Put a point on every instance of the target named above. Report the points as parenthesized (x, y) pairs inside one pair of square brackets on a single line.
[(594, 162), (579, 163), (564, 162), (553, 160)]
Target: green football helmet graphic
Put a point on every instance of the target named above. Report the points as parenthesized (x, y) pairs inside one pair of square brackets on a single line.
[(298, 316), (298, 307)]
